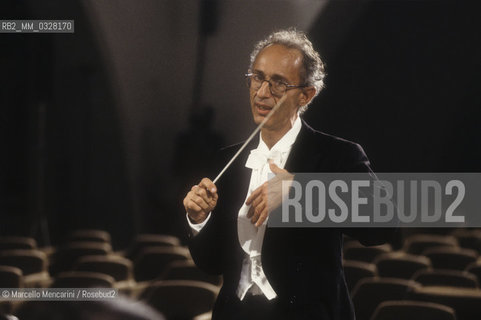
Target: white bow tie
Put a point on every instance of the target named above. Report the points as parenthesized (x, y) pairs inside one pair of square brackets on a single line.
[(257, 159)]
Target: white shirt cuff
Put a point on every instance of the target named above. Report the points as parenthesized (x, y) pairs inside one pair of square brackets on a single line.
[(196, 227)]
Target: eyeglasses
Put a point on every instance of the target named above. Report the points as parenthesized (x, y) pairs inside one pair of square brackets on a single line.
[(276, 87)]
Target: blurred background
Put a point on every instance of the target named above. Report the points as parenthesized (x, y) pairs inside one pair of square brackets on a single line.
[(105, 128)]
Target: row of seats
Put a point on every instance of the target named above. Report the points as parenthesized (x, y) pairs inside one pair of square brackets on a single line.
[(155, 268), (465, 239), (148, 256), (370, 293), (356, 270), (432, 276), (403, 265), (420, 252)]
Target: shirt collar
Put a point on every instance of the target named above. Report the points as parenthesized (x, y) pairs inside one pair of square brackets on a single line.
[(284, 144)]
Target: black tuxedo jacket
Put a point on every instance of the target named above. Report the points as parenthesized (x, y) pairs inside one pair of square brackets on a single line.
[(303, 265)]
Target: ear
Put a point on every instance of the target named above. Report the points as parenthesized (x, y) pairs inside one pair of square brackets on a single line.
[(306, 95)]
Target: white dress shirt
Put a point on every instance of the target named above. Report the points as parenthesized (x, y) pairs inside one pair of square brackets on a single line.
[(252, 278)]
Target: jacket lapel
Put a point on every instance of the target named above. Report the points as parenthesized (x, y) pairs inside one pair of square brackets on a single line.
[(305, 153)]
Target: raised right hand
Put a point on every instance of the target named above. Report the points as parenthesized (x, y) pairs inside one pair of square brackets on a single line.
[(201, 200)]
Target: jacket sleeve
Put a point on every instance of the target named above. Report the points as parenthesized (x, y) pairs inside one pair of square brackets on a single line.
[(205, 246), (356, 161)]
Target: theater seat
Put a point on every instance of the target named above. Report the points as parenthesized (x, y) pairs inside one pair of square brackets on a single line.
[(204, 316), (450, 257), (466, 302), (152, 262), (475, 268), (143, 241), (417, 243), (357, 252), (453, 278), (400, 264), (11, 277), (468, 238), (370, 292), (119, 268), (404, 310), (357, 270), (187, 270), (66, 257), (82, 279), (90, 235), (181, 299), (14, 242), (29, 261)]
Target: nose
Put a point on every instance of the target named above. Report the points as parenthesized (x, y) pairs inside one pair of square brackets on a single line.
[(264, 90)]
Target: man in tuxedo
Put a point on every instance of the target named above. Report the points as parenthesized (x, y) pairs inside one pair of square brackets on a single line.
[(275, 273)]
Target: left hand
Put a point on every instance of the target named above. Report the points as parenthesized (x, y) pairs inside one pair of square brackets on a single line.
[(272, 190)]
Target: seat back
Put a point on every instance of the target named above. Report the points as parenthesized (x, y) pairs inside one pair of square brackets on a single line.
[(417, 243), (119, 268), (400, 265), (357, 252), (90, 235), (452, 278), (30, 261), (171, 296), (66, 257), (466, 302), (402, 310), (450, 257), (475, 268), (143, 241), (370, 292), (11, 277), (152, 262), (468, 238), (82, 279), (187, 270), (14, 242), (357, 270)]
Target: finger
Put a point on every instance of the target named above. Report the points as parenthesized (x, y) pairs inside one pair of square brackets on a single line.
[(257, 211), (207, 196), (263, 204), (275, 169), (215, 196), (250, 213), (256, 215), (262, 217), (258, 200), (259, 208), (207, 184), (200, 202), (212, 203), (201, 192), (191, 206), (255, 194)]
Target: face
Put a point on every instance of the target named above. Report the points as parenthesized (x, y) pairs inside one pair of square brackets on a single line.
[(278, 62)]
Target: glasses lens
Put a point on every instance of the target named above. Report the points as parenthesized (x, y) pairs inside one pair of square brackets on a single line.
[(256, 81), (278, 88)]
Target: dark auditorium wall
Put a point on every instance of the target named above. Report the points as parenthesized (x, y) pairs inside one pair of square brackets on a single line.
[(63, 163), (403, 80), (118, 92)]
